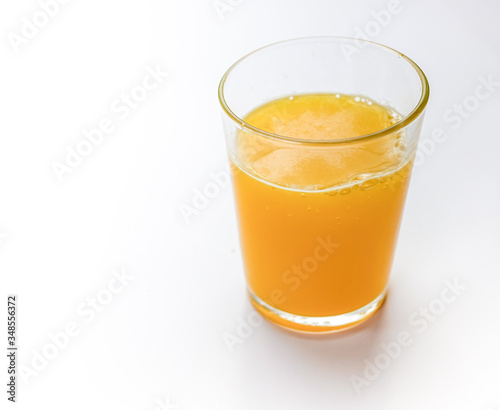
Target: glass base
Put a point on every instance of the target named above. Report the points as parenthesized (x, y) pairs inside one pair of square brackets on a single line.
[(321, 324)]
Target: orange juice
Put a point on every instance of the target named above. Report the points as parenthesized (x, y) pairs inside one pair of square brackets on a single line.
[(318, 226)]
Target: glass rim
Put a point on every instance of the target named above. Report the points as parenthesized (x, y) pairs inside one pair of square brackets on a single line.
[(405, 121)]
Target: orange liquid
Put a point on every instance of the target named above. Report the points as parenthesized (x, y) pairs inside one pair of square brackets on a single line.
[(318, 225)]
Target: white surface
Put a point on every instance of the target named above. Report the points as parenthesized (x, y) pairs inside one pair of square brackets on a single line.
[(163, 335)]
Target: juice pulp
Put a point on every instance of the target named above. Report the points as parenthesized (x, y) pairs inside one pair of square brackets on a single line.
[(318, 224)]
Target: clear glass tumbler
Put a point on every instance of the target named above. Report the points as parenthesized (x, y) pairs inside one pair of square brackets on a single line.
[(319, 217)]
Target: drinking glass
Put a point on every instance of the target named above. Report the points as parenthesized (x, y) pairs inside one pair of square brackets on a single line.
[(319, 218)]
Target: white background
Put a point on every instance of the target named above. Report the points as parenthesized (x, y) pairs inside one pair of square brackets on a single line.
[(161, 337)]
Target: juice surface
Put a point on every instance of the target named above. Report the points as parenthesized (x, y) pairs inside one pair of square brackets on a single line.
[(319, 223)]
